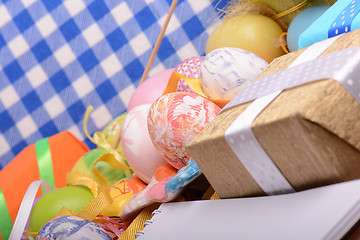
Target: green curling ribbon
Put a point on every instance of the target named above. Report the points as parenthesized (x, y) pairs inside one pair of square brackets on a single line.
[(5, 220), (44, 160)]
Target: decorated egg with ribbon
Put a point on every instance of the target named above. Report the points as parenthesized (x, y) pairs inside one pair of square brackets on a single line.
[(73, 198), (121, 193), (139, 150), (255, 33), (105, 164), (72, 228), (175, 119), (225, 71), (151, 89), (112, 133), (102, 166), (190, 69)]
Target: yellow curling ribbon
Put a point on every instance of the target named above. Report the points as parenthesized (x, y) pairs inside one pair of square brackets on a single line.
[(75, 178), (194, 84), (94, 208), (65, 212), (102, 198), (113, 161), (138, 223), (113, 157)]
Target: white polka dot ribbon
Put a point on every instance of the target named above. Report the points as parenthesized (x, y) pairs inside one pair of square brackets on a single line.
[(249, 151), (343, 66)]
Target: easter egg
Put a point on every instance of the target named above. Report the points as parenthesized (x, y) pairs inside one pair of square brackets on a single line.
[(112, 131), (175, 119), (73, 198), (139, 150), (109, 175), (151, 89), (252, 32), (188, 68), (301, 22), (72, 228), (153, 192), (121, 194), (225, 71)]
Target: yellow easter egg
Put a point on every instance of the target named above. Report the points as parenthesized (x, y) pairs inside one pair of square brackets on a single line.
[(252, 32), (121, 193)]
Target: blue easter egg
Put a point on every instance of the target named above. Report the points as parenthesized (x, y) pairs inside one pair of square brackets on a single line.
[(72, 228), (301, 22)]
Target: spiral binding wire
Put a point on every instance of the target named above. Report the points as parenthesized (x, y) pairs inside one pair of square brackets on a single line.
[(148, 222), (156, 211), (139, 233)]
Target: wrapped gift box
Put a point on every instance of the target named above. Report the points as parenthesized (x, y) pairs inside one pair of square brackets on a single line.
[(15, 178), (343, 16), (309, 132)]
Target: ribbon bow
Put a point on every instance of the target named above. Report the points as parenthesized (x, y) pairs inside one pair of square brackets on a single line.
[(115, 160)]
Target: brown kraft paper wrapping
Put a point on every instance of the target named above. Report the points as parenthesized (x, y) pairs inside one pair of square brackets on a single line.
[(311, 133)]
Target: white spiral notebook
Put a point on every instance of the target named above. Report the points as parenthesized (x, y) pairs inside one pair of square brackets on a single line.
[(322, 213)]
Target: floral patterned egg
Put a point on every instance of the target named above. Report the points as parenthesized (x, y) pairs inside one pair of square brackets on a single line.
[(72, 228), (188, 68), (175, 119)]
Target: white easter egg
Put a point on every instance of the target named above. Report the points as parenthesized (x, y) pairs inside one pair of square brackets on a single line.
[(225, 71), (139, 150)]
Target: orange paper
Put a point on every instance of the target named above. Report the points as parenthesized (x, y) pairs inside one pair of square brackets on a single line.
[(23, 169)]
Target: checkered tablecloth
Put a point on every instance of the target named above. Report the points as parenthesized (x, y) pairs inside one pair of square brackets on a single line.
[(58, 57)]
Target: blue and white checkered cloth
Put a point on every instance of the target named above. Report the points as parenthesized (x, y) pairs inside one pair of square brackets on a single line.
[(58, 57)]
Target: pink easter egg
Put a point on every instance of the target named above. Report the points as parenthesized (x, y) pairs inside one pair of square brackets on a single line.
[(139, 150), (175, 119), (188, 68), (151, 89)]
